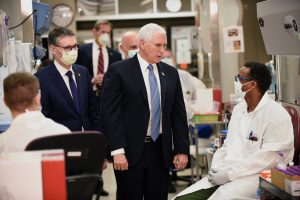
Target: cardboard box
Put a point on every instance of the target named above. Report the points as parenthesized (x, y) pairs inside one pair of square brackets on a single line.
[(278, 178), (292, 185)]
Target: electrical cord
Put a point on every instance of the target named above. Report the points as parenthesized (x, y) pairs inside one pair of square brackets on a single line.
[(34, 42), (22, 21)]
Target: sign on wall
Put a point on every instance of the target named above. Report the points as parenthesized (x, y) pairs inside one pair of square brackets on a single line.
[(233, 39)]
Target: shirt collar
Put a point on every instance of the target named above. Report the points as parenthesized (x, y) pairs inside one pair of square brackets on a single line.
[(143, 63), (95, 44), (61, 69)]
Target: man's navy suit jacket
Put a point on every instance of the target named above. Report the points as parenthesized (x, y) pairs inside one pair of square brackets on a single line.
[(57, 102), (85, 56), (125, 110)]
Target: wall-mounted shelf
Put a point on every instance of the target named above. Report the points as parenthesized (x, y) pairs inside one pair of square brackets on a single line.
[(136, 16)]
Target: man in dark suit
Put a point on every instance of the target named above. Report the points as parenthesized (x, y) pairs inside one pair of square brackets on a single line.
[(66, 90), (97, 56), (143, 116)]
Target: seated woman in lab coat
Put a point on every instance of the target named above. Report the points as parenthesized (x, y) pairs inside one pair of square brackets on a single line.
[(22, 97), (259, 128)]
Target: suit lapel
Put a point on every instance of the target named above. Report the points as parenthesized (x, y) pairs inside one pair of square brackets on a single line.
[(139, 77), (80, 86), (163, 83), (62, 87), (90, 49)]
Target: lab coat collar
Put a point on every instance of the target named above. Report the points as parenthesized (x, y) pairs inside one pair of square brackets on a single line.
[(261, 103)]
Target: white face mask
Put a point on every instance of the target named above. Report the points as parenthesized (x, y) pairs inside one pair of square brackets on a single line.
[(104, 39), (69, 58), (168, 61), (238, 89), (132, 52)]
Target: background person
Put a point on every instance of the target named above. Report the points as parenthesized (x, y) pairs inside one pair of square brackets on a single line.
[(21, 96), (129, 45), (97, 56), (258, 130), (66, 90), (143, 116), (189, 83)]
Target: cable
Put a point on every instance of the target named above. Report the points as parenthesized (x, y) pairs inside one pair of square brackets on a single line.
[(23, 21), (34, 41)]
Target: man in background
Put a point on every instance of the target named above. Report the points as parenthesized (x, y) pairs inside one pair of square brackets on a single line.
[(98, 55), (22, 97), (259, 129), (144, 117), (66, 90), (129, 44)]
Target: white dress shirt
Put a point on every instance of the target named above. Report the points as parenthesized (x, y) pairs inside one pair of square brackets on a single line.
[(96, 52), (62, 71), (145, 72)]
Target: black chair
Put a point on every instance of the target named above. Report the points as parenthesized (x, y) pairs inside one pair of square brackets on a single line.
[(84, 157)]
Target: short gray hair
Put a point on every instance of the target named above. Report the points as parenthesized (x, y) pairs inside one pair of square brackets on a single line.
[(147, 31)]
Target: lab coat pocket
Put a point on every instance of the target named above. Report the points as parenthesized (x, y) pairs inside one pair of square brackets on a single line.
[(253, 146)]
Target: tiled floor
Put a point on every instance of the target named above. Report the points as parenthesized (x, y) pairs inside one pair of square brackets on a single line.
[(110, 185)]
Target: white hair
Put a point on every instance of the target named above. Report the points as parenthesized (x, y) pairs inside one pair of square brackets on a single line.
[(147, 31)]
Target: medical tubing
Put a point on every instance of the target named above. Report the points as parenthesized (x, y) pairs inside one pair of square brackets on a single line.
[(23, 21)]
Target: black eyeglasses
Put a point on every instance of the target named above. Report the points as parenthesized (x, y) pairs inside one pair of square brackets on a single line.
[(69, 48), (241, 78)]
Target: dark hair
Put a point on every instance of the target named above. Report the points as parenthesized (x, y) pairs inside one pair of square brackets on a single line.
[(261, 74), (57, 33), (20, 89), (99, 22)]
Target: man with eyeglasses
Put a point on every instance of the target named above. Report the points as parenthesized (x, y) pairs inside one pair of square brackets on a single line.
[(258, 130), (66, 91)]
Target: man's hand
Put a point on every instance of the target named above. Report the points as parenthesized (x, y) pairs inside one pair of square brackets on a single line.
[(97, 80), (120, 162), (180, 161), (218, 177)]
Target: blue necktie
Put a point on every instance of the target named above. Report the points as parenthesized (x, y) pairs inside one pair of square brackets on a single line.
[(155, 104), (73, 90)]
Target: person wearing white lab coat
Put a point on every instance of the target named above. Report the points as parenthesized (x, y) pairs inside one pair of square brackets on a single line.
[(189, 83), (21, 95), (258, 130)]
